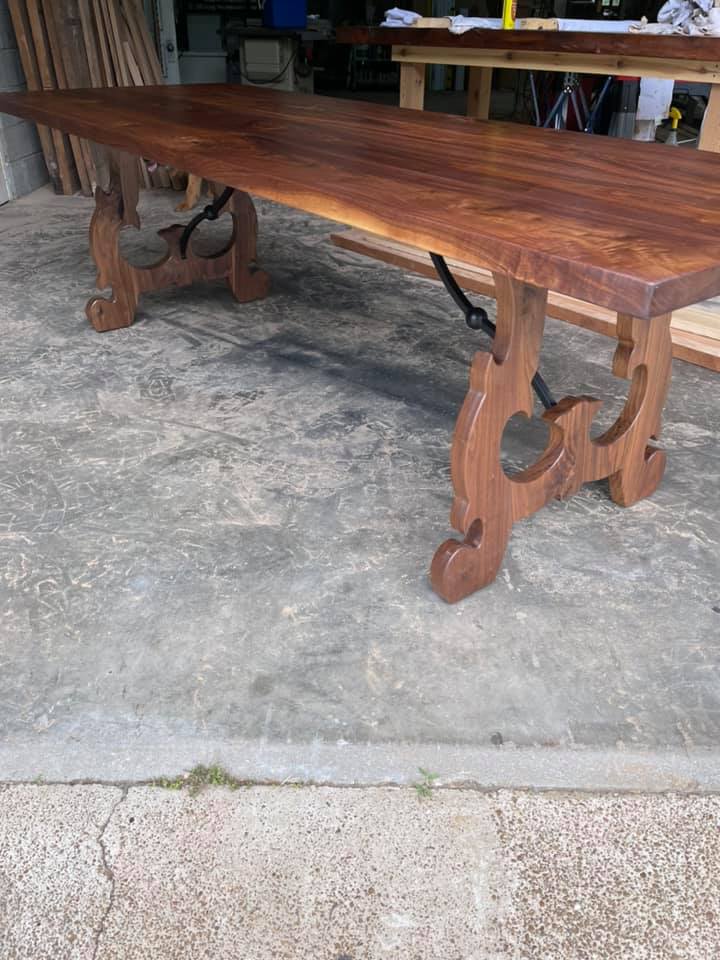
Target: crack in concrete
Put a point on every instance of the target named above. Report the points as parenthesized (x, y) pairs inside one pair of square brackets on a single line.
[(107, 869), (442, 784)]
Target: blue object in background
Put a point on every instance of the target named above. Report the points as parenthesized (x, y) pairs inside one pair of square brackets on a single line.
[(285, 14)]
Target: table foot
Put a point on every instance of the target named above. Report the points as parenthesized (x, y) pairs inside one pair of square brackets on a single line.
[(487, 501), (180, 266), (460, 567)]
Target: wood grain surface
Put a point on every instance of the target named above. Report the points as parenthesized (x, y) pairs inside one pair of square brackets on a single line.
[(541, 41), (631, 226)]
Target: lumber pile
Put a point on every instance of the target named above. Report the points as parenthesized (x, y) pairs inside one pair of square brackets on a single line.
[(65, 44)]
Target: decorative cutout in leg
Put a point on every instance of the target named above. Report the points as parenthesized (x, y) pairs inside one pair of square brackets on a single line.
[(622, 453), (644, 354), (487, 502), (234, 263)]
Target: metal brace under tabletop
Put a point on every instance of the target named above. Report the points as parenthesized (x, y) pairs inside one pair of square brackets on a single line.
[(211, 212), (477, 319)]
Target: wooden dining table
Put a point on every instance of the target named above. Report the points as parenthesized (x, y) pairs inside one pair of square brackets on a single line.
[(612, 231)]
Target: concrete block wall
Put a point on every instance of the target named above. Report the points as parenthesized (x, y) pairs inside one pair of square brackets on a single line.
[(22, 164)]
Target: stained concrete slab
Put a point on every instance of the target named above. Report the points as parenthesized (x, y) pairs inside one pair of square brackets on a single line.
[(345, 874), (217, 525)]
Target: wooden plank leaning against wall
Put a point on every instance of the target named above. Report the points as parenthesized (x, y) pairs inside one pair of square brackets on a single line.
[(66, 44)]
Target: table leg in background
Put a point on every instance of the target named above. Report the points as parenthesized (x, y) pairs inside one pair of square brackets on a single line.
[(180, 266), (479, 89), (709, 138), (412, 85)]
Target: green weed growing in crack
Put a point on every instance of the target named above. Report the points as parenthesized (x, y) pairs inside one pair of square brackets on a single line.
[(198, 778), (424, 787), (167, 784)]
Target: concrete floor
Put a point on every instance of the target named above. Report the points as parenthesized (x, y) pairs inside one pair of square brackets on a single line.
[(273, 873), (217, 525), (215, 529)]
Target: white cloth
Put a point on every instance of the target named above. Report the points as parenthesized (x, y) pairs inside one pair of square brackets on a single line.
[(597, 26), (655, 99), (463, 24), (399, 18), (690, 18), (675, 12)]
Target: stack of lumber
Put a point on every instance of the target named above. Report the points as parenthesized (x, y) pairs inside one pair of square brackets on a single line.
[(65, 44)]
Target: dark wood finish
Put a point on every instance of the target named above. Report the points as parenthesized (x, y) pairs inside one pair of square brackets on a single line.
[(541, 41), (487, 501), (63, 44), (235, 263), (590, 217), (126, 171)]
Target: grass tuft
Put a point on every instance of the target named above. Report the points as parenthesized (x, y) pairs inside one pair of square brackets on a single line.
[(198, 779), (424, 787)]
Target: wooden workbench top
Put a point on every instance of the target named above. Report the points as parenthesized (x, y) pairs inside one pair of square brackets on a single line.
[(631, 226), (541, 41)]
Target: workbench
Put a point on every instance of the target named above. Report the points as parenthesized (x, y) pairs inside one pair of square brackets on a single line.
[(694, 59), (607, 232), (695, 330)]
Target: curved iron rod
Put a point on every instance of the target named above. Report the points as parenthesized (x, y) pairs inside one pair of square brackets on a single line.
[(543, 392), (211, 212), (477, 319), (477, 315)]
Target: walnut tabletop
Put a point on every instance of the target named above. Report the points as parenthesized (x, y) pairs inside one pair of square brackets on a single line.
[(631, 226)]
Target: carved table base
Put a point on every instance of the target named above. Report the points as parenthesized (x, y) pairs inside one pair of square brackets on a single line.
[(487, 501), (234, 263)]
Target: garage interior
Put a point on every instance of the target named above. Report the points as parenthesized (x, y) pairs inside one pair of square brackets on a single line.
[(216, 531)]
